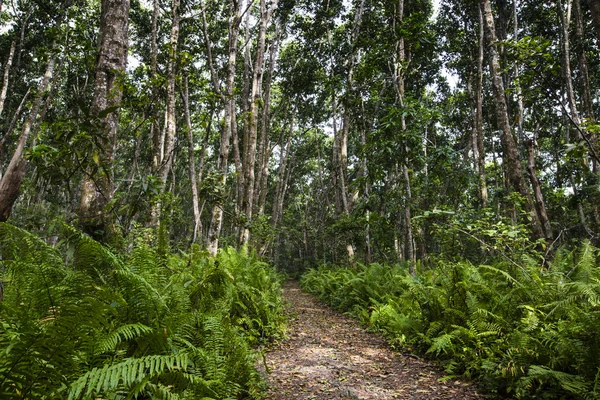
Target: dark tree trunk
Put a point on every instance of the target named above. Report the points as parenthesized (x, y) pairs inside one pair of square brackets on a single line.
[(10, 185)]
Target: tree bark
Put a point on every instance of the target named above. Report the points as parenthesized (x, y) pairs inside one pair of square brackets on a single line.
[(229, 118), (255, 96), (6, 76), (514, 170), (97, 188), (537, 191), (192, 161), (155, 126), (264, 147), (477, 111), (171, 121), (10, 185)]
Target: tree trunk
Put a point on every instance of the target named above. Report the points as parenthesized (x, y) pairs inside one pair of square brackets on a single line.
[(537, 191), (10, 184), (264, 147), (13, 121), (255, 95), (229, 118), (192, 161), (97, 188), (284, 155), (171, 122), (514, 170), (155, 126), (520, 107), (477, 111), (6, 76)]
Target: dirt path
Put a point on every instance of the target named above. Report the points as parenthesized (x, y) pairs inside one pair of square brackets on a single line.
[(328, 356)]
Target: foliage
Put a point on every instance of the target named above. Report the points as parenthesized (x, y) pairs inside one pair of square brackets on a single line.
[(80, 321), (522, 330)]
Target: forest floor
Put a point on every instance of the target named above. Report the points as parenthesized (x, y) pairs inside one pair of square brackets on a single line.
[(327, 355)]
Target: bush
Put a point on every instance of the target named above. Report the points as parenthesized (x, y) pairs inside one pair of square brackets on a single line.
[(521, 330), (80, 321)]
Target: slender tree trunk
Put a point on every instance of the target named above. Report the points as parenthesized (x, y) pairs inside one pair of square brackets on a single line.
[(229, 116), (10, 184), (284, 155), (155, 126), (14, 119), (255, 96), (171, 122), (97, 189), (192, 161), (511, 153), (520, 107), (264, 147), (6, 76), (477, 132), (537, 191)]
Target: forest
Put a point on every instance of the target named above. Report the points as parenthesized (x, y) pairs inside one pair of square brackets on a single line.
[(430, 167)]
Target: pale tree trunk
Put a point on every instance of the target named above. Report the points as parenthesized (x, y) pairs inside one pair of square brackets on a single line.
[(565, 21), (537, 191), (97, 188), (229, 118), (255, 96), (12, 178), (237, 153), (477, 112), (520, 106), (7, 66), (399, 67), (479, 115), (155, 126), (164, 146), (514, 170), (171, 123), (192, 161), (264, 147)]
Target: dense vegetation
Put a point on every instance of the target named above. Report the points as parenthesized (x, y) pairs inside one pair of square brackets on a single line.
[(520, 329), (80, 321), (458, 138)]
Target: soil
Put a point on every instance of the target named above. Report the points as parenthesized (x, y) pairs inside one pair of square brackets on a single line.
[(327, 355)]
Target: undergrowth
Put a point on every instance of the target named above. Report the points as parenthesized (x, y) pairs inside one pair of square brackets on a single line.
[(80, 321), (521, 330)]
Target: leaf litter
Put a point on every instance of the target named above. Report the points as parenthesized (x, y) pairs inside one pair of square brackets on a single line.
[(327, 355)]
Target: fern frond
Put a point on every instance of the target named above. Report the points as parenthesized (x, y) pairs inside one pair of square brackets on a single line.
[(126, 373)]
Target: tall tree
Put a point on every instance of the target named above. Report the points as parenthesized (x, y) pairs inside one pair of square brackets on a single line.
[(10, 185), (111, 62), (514, 170), (229, 118)]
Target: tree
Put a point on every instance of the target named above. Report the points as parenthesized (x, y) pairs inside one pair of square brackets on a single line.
[(97, 188)]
